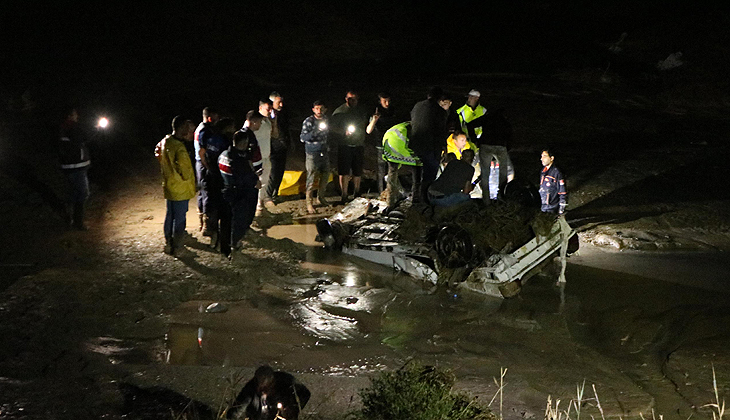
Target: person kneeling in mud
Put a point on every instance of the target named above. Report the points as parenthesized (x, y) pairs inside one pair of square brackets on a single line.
[(270, 395), (454, 184)]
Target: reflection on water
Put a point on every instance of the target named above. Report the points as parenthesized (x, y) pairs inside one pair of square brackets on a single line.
[(353, 317)]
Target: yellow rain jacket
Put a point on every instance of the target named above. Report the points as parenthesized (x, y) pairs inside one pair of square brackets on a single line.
[(178, 178), (451, 147)]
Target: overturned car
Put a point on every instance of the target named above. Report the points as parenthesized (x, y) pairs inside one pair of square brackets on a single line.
[(490, 247)]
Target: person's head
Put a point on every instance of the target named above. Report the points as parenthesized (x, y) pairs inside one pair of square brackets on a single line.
[(318, 109), (472, 98), (240, 140), (277, 101), (384, 98), (226, 126), (254, 119), (70, 114), (449, 157), (467, 156), (444, 101), (264, 377), (435, 93), (547, 157), (210, 115), (179, 126), (265, 107), (459, 140), (351, 98)]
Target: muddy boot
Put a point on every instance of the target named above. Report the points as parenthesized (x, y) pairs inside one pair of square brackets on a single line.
[(206, 226), (201, 216), (310, 207), (168, 247)]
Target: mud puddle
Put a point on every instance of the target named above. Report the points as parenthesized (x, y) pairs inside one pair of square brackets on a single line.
[(351, 317)]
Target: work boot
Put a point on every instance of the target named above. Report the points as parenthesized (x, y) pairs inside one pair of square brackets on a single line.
[(206, 226), (310, 207), (214, 239), (201, 216), (168, 247)]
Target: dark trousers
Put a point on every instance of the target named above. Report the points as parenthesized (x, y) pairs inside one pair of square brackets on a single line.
[(214, 201), (224, 234), (430, 170), (78, 179), (278, 165), (243, 210), (201, 176)]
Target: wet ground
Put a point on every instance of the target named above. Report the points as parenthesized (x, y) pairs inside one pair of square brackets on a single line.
[(87, 316)]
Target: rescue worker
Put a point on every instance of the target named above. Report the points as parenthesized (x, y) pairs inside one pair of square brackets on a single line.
[(178, 182), (220, 141), (240, 184), (75, 162), (469, 112), (314, 136), (457, 143), (203, 133), (396, 153), (263, 137), (553, 195), (270, 395)]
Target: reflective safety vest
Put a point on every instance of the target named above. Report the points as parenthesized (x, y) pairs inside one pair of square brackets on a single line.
[(466, 114), (395, 146)]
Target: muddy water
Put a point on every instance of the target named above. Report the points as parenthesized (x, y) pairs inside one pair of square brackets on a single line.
[(350, 317)]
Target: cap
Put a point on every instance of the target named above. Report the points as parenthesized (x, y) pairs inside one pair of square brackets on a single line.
[(474, 92)]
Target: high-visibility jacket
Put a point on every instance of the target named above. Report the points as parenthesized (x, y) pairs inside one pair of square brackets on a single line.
[(178, 178), (466, 114), (451, 147), (395, 146)]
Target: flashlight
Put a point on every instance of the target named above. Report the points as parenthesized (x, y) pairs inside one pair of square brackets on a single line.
[(103, 122), (351, 129), (323, 126)]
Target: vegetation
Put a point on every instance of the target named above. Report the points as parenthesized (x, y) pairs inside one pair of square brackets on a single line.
[(418, 392)]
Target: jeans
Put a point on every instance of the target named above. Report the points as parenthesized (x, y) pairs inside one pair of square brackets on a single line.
[(316, 163), (174, 226), (79, 180), (448, 200), (499, 153)]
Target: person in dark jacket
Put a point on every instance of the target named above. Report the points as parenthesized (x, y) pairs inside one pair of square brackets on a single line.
[(269, 395), (240, 186), (221, 140), (203, 133), (279, 145), (553, 195), (75, 162), (428, 138)]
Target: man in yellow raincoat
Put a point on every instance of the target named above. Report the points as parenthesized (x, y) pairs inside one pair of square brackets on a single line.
[(178, 181)]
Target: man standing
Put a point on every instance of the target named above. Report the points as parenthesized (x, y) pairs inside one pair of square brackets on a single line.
[(178, 182), (220, 141), (380, 122), (553, 195), (349, 125), (263, 137), (240, 185), (203, 133), (75, 162), (314, 136), (428, 138), (279, 143), (469, 112)]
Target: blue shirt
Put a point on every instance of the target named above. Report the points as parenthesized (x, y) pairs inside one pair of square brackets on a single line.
[(313, 136)]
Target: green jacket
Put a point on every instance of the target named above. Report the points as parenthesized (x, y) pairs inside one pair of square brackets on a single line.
[(395, 146), (178, 178), (466, 114)]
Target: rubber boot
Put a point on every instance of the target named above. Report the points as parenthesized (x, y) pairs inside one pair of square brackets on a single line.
[(310, 207)]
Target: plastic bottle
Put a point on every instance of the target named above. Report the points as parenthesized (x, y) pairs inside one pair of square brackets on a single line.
[(493, 179)]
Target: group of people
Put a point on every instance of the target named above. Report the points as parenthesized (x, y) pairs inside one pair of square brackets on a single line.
[(237, 173)]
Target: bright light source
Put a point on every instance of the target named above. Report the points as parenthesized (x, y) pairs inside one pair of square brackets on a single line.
[(351, 129), (322, 126), (279, 406), (103, 122)]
